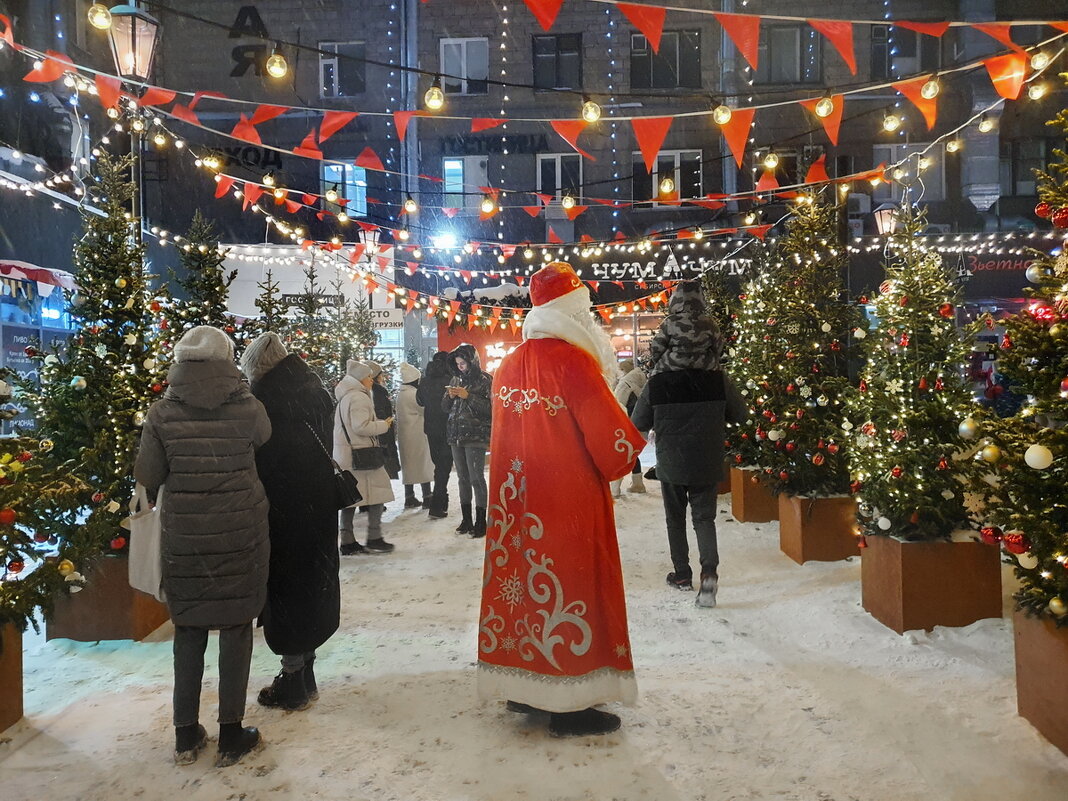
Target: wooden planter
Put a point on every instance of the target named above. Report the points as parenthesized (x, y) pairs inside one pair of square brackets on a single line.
[(724, 486), (10, 676), (817, 529), (920, 585), (751, 500), (107, 609), (1041, 662)]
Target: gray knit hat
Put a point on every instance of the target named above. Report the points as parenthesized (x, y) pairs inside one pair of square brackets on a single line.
[(376, 368), (204, 344), (358, 370), (262, 356)]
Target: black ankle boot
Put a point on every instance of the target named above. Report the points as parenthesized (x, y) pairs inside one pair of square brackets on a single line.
[(188, 740), (480, 523), (309, 680), (584, 722), (287, 692), (466, 525), (235, 742), (410, 501)]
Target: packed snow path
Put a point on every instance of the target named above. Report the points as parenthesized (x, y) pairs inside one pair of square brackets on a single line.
[(788, 690)]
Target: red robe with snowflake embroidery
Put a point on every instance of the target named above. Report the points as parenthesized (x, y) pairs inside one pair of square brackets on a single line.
[(553, 619)]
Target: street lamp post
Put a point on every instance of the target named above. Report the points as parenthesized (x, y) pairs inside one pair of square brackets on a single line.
[(133, 34)]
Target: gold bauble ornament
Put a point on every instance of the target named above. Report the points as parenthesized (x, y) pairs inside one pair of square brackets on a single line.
[(65, 567), (991, 453), (120, 283), (968, 428), (46, 445), (1057, 607)]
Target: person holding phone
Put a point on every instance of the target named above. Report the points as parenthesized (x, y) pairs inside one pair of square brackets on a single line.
[(467, 404)]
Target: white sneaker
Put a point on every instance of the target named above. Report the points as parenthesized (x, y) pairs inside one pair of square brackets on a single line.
[(636, 484), (706, 596)]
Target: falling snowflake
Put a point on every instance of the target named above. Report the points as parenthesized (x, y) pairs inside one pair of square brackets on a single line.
[(511, 591), (508, 643), (517, 466)]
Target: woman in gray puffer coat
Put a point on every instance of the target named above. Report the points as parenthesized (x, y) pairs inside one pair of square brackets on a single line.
[(200, 440)]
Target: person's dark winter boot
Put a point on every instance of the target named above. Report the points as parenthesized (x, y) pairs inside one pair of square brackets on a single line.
[(309, 680), (680, 580), (428, 496), (523, 709), (235, 742), (584, 722), (379, 545), (287, 691), (466, 525), (410, 501), (480, 523), (706, 596), (352, 549), (188, 740)]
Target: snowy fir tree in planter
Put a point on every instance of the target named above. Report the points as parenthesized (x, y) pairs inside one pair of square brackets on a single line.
[(903, 418), (311, 332), (798, 394), (205, 283)]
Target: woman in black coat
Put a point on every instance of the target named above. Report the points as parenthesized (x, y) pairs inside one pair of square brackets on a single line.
[(303, 594), (384, 411)]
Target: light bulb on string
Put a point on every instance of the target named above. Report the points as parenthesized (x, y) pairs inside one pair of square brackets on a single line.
[(953, 145), (99, 16), (591, 111), (568, 201), (277, 66), (410, 206), (986, 124), (342, 217), (279, 192), (931, 88), (891, 122), (268, 179), (824, 107), (417, 253), (1036, 91), (137, 124), (721, 114), (331, 194), (771, 160), (667, 185), (1040, 60), (488, 204), (434, 98), (159, 139), (403, 234)]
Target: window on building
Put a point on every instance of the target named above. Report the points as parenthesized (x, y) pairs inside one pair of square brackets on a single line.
[(462, 176), (464, 66), (676, 66), (1019, 160), (342, 73), (560, 174), (684, 166), (897, 52), (789, 54), (558, 61), (351, 183), (390, 345), (932, 184)]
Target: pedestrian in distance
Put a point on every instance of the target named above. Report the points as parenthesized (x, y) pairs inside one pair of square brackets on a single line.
[(199, 444), (356, 428), (384, 411), (429, 395), (303, 606), (628, 388), (467, 403), (416, 466)]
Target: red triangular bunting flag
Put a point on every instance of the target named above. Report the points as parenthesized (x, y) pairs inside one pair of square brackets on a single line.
[(247, 131), (223, 185), (533, 211), (736, 132), (619, 235), (184, 113), (308, 148), (357, 252), (252, 192), (647, 19), (998, 30), (369, 160), (544, 11), (833, 121), (409, 304), (840, 34), (911, 90), (155, 96), (1060, 26), (545, 199), (5, 31), (817, 173), (266, 112), (401, 120), (650, 133), (618, 283), (744, 30), (519, 279), (575, 211), (108, 90), (929, 28), (309, 200), (554, 238), (454, 308), (292, 206), (641, 284), (51, 68), (411, 267), (585, 238), (334, 121), (605, 312), (709, 204), (594, 285), (450, 213), (485, 123), (366, 226), (767, 181), (1007, 73), (570, 130)]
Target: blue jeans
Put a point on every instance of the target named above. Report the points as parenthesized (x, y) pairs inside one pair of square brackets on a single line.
[(470, 461)]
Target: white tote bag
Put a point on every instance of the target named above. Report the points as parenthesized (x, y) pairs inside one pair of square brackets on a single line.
[(146, 569)]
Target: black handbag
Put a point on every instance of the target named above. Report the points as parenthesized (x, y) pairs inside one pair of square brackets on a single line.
[(370, 458), (346, 487)]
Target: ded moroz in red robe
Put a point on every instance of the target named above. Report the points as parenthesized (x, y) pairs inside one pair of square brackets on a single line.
[(553, 620)]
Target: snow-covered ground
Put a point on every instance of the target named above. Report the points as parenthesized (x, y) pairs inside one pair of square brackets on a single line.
[(788, 690)]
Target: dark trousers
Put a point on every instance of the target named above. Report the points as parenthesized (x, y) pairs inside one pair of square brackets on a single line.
[(702, 502), (470, 461), (235, 656), (637, 469), (441, 455)]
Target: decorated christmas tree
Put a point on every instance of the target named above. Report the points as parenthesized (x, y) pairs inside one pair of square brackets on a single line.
[(721, 300), (802, 377), (312, 332), (96, 389), (903, 416), (205, 283)]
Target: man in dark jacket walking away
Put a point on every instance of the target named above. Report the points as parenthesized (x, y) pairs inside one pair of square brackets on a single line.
[(467, 403), (429, 395), (687, 409), (303, 594), (200, 441)]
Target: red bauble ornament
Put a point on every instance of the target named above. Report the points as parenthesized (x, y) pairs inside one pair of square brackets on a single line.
[(947, 310), (742, 296), (7, 516), (98, 497), (904, 300), (856, 487), (1006, 343), (784, 476), (118, 543), (904, 341), (15, 566), (30, 351), (745, 437), (991, 535), (229, 329), (943, 464), (863, 300), (154, 306), (39, 537), (800, 413), (790, 354), (789, 387), (820, 444), (164, 325), (1016, 543), (863, 386), (1059, 218), (771, 321), (778, 445), (791, 447), (773, 418), (836, 346), (896, 472), (737, 458), (1064, 387), (767, 472), (25, 456), (1043, 210), (884, 288), (923, 383), (794, 427), (832, 448), (939, 384), (726, 443), (914, 518), (818, 459), (157, 387)]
